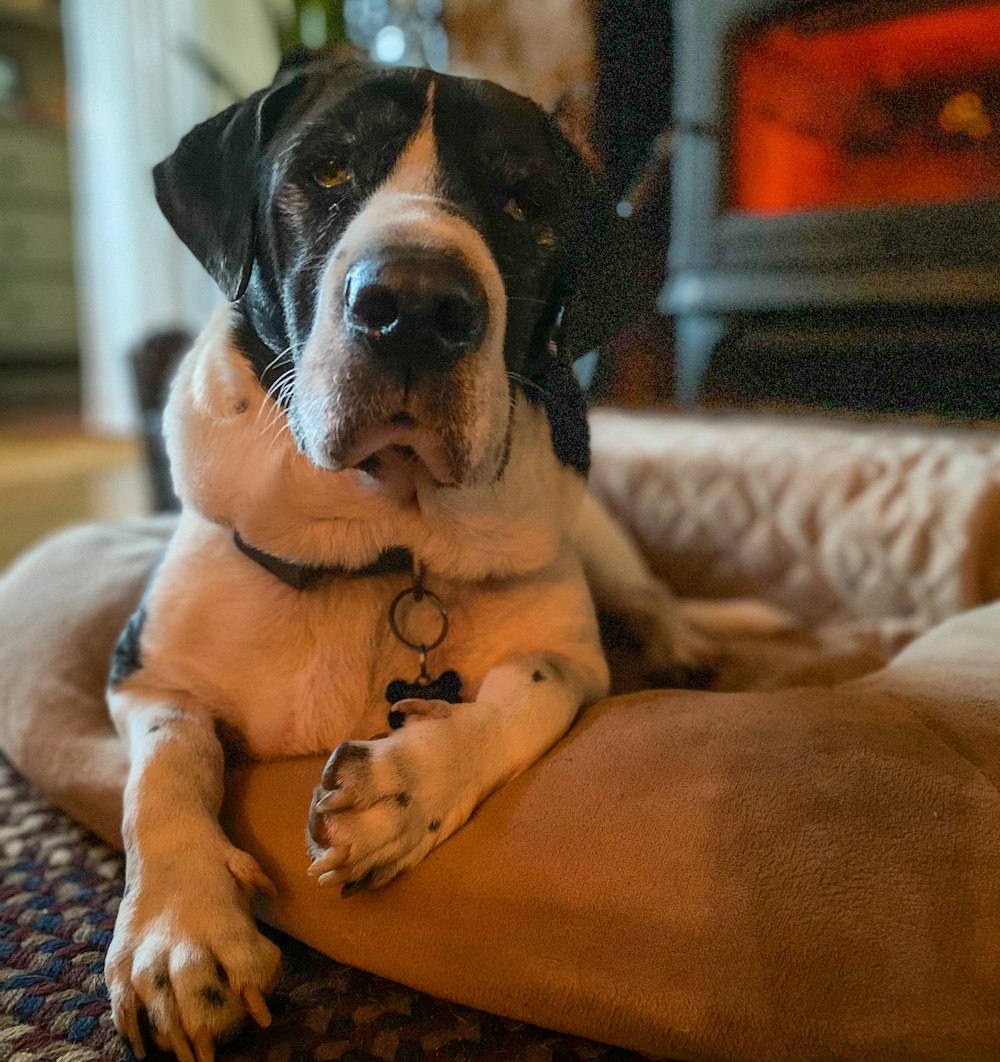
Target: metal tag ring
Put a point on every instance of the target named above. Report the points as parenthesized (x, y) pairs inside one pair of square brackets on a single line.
[(418, 596)]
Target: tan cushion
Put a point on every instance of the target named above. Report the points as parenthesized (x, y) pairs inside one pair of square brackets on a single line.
[(798, 874)]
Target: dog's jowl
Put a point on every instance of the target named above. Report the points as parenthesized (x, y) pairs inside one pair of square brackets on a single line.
[(381, 453)]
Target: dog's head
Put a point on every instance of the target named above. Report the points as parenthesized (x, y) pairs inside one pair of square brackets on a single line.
[(408, 252)]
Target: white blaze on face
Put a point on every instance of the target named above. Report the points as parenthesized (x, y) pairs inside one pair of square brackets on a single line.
[(407, 210)]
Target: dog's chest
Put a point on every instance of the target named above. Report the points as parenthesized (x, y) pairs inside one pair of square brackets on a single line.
[(292, 672), (295, 672)]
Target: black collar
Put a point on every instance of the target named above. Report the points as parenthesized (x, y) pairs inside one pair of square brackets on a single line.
[(306, 576)]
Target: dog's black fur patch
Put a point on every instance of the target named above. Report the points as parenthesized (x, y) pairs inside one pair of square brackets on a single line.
[(213, 996), (566, 407), (346, 752), (126, 657)]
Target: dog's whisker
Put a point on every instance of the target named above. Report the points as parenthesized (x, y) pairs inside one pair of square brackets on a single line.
[(277, 416), (277, 384), (275, 412), (274, 389), (280, 411), (277, 408), (274, 361), (277, 435), (280, 382), (518, 378), (292, 348), (279, 421), (269, 429), (273, 397)]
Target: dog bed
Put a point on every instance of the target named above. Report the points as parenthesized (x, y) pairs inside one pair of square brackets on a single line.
[(781, 873)]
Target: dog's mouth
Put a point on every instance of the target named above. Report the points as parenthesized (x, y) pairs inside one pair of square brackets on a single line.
[(400, 449)]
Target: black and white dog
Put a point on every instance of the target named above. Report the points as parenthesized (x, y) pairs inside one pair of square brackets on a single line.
[(381, 453)]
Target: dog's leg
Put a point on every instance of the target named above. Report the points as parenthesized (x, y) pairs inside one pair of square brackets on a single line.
[(384, 804), (680, 639), (621, 583), (186, 949)]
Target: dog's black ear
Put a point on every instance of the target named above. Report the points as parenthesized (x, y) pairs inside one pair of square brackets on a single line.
[(604, 283), (609, 291), (207, 189)]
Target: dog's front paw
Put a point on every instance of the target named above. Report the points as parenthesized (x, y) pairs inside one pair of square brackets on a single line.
[(187, 953), (383, 805)]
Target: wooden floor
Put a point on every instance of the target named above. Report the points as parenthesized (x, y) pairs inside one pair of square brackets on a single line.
[(53, 474)]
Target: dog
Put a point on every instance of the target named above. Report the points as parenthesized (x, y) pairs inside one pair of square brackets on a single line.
[(386, 547)]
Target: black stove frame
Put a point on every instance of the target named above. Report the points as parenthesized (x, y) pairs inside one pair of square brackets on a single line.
[(889, 309)]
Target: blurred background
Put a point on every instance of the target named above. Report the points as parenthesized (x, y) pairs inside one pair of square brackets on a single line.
[(816, 184)]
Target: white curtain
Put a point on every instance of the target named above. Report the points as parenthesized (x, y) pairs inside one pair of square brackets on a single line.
[(133, 92)]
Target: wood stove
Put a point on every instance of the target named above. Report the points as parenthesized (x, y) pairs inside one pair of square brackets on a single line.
[(836, 202)]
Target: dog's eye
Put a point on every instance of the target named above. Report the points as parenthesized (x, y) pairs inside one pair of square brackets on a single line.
[(331, 175), (521, 207), (526, 200)]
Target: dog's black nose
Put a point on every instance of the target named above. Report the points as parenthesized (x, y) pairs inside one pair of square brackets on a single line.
[(416, 308)]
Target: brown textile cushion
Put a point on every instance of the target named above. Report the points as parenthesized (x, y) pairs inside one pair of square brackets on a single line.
[(805, 874)]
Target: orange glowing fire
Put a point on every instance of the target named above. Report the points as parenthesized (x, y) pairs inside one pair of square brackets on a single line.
[(905, 110)]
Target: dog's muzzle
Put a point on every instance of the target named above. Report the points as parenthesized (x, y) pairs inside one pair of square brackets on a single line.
[(414, 308)]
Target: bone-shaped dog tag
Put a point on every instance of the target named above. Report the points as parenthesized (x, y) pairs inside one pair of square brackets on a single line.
[(446, 687)]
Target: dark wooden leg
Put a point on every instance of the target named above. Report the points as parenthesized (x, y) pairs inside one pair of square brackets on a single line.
[(697, 337)]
